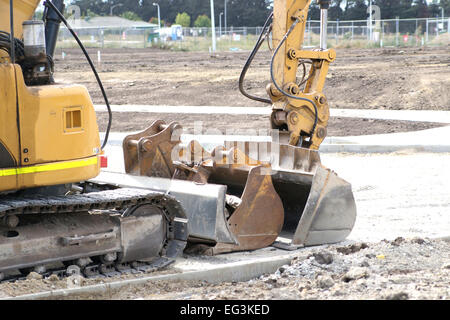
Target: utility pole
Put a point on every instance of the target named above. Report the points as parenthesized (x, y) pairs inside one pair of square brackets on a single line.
[(353, 30), (159, 15), (371, 24), (213, 27), (220, 24), (225, 17), (437, 25), (443, 20), (337, 31), (397, 30)]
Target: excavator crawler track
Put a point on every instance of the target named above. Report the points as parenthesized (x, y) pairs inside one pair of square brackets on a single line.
[(103, 233), (103, 200)]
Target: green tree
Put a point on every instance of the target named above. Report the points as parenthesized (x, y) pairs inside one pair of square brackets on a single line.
[(131, 16), (249, 13), (446, 5), (239, 12), (202, 21), (154, 20), (335, 12), (355, 10), (252, 13), (421, 7), (183, 19), (390, 9), (96, 6), (89, 14)]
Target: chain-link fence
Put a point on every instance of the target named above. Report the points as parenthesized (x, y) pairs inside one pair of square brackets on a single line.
[(382, 33)]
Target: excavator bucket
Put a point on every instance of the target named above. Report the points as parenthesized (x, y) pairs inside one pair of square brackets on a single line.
[(319, 206), (274, 194)]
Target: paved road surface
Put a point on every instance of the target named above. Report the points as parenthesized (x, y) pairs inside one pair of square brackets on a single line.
[(401, 194), (397, 194)]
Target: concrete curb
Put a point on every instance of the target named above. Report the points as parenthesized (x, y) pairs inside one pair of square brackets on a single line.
[(438, 116), (233, 272), (431, 140), (344, 146)]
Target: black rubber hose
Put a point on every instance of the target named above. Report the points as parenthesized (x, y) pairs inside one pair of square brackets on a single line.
[(12, 52), (5, 44), (316, 120), (304, 78), (255, 50), (108, 129)]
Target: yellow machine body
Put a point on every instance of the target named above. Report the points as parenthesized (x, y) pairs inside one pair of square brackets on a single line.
[(23, 10), (51, 216), (49, 134)]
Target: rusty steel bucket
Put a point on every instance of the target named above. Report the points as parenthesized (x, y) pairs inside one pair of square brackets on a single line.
[(319, 206), (276, 194)]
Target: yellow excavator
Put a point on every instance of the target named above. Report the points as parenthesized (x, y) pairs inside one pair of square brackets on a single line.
[(49, 141), (61, 210)]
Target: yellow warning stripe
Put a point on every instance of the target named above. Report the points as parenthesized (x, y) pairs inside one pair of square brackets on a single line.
[(49, 167)]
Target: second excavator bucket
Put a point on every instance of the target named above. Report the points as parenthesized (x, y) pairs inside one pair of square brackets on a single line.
[(319, 206), (326, 216), (276, 194)]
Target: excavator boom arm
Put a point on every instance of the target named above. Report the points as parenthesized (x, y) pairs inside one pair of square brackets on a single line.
[(300, 109)]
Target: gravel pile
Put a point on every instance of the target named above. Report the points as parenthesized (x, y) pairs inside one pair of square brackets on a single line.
[(396, 270), (400, 269)]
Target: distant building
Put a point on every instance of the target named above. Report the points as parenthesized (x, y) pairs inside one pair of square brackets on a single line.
[(109, 23), (99, 28)]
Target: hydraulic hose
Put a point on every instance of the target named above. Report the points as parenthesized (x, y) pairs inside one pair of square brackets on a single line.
[(249, 61), (12, 49), (316, 120), (5, 44), (60, 15)]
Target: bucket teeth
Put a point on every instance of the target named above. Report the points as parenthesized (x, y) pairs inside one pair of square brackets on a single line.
[(282, 193)]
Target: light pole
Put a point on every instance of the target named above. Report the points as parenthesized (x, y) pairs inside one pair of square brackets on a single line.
[(225, 17), (159, 16), (114, 6), (443, 20), (220, 24), (213, 27), (370, 30)]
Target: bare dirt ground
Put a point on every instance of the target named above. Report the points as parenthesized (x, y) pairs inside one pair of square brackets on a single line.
[(227, 124), (400, 269), (393, 79)]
